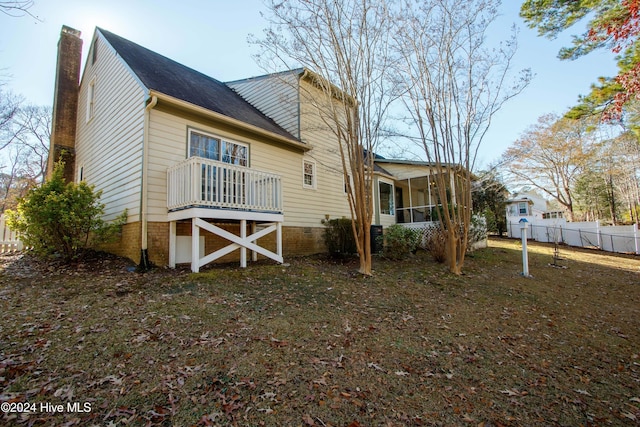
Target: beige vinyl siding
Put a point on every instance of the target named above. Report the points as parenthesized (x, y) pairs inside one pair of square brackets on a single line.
[(276, 96), (328, 197), (302, 207), (295, 109), (167, 146), (109, 145)]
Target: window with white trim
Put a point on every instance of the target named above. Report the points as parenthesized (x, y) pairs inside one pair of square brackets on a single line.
[(347, 183), (91, 99), (211, 147), (523, 208), (220, 184), (385, 192), (308, 174)]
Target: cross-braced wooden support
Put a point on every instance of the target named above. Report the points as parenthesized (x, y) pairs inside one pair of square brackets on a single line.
[(256, 220), (241, 242)]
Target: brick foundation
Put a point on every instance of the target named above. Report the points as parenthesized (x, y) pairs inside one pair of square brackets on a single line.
[(128, 244), (296, 241)]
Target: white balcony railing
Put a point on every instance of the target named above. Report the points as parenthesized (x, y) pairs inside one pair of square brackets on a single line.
[(199, 182)]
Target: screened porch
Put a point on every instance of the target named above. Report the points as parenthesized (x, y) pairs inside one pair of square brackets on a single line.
[(416, 200)]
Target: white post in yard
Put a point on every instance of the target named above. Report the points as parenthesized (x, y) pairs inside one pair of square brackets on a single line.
[(524, 224)]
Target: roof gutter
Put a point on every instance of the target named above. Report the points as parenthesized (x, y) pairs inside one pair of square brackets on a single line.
[(187, 106)]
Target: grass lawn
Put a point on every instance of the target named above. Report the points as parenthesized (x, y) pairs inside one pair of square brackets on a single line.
[(312, 343)]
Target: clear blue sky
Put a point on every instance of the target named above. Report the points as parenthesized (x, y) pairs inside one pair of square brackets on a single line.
[(211, 36)]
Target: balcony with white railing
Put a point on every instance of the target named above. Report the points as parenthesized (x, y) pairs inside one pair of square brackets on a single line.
[(202, 183)]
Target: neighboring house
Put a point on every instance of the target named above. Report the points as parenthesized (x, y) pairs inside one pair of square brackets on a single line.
[(533, 208), (205, 168), (525, 205)]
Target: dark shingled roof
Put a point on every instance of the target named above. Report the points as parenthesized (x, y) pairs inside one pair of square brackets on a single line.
[(166, 76)]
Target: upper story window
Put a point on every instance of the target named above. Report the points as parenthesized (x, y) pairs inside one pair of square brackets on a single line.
[(91, 99), (308, 174), (552, 215), (348, 183), (523, 208), (385, 191), (211, 147)]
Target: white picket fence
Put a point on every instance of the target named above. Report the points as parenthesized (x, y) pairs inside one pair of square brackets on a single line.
[(620, 238), (9, 240)]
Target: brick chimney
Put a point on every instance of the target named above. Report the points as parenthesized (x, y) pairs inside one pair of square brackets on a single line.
[(65, 102)]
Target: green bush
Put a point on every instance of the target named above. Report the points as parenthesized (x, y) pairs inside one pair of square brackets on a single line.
[(338, 237), (477, 229), (63, 219), (400, 241)]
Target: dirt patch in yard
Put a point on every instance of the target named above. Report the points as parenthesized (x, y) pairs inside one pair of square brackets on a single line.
[(313, 343)]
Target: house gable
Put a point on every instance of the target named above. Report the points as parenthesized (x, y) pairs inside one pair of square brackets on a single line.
[(161, 74), (276, 95), (110, 126)]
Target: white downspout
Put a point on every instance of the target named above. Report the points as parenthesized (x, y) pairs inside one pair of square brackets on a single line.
[(144, 202)]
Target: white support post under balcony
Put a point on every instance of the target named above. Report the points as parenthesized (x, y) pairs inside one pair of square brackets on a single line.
[(254, 254), (172, 244), (242, 242), (243, 249), (195, 246)]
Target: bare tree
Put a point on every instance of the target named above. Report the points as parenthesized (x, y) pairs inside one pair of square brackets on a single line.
[(454, 85), (17, 8), (15, 179), (34, 122), (623, 155), (24, 145), (346, 44), (550, 156), (9, 108)]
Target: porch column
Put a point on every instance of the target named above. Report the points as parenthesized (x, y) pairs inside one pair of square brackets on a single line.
[(195, 246), (410, 202), (172, 244), (429, 195)]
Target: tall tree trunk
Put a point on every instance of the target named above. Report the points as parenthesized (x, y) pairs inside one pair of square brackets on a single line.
[(612, 200), (455, 266)]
